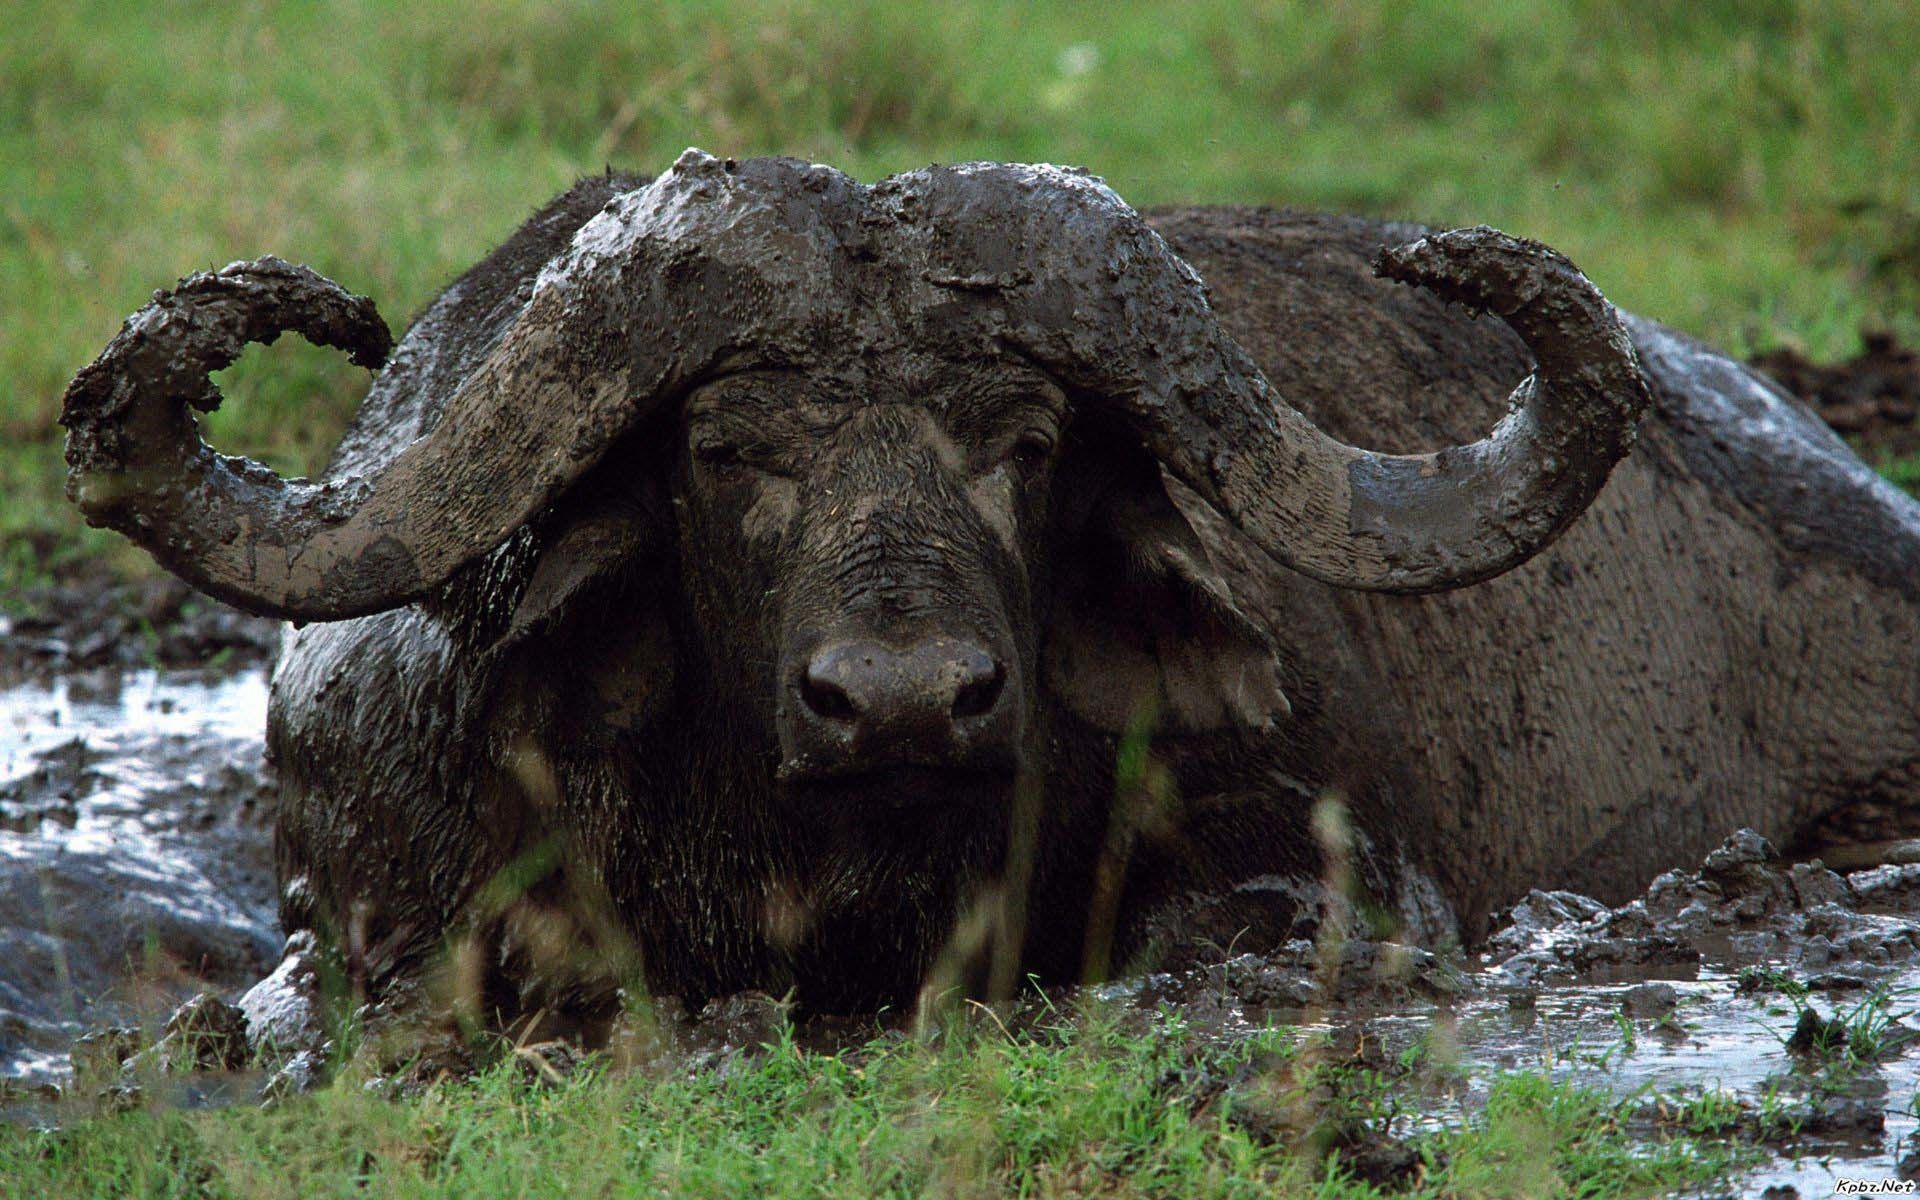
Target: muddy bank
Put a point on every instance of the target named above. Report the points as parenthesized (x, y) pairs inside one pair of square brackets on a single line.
[(1872, 399), (1782, 989), (87, 621), (1773, 996), (135, 808)]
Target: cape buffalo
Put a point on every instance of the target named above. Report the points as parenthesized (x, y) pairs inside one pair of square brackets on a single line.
[(747, 578)]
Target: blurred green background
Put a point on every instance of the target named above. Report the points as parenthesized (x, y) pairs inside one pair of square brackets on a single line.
[(1748, 170)]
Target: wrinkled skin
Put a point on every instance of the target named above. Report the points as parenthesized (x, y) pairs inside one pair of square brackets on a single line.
[(823, 676)]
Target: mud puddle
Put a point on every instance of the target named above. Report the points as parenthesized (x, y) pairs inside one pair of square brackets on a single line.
[(135, 853), (1769, 1001), (1720, 1055), (135, 871)]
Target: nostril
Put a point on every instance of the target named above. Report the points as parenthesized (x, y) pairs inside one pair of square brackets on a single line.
[(827, 698), (978, 696)]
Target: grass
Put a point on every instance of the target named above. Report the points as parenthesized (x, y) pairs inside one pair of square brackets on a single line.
[(1081, 1107), (1903, 471), (1746, 169), (1852, 1039)]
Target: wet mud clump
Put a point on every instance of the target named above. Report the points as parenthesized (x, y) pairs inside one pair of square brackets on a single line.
[(1872, 399), (1746, 907), (1818, 967)]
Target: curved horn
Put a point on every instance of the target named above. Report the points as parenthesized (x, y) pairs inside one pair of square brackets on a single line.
[(711, 256), (1093, 293), (300, 549), (1428, 522)]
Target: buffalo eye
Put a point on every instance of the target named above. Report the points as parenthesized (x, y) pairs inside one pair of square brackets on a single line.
[(1032, 449), (714, 451)]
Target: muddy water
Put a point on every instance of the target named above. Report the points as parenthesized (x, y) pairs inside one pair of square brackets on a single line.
[(1812, 1118), (135, 859), (135, 870), (1700, 986), (1854, 1121)]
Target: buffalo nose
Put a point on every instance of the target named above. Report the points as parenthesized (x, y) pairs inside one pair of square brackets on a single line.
[(860, 706), (877, 689)]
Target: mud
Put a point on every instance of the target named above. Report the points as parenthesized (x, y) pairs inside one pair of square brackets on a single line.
[(1871, 399), (135, 873), (1783, 987), (86, 621), (135, 852)]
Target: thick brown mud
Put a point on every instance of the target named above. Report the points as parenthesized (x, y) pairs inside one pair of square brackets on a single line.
[(85, 621), (1871, 399)]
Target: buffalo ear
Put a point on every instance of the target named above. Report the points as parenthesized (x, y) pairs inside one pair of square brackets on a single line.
[(1144, 618), (590, 620), (579, 555)]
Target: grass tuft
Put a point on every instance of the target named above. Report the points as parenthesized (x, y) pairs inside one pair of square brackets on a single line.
[(1084, 1107)]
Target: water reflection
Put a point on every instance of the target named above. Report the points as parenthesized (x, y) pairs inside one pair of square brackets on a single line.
[(135, 862)]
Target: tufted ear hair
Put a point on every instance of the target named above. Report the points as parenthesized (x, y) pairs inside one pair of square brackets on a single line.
[(1143, 614)]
